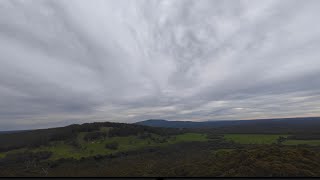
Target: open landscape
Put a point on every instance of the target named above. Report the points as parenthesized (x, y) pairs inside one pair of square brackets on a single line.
[(159, 88), (106, 149)]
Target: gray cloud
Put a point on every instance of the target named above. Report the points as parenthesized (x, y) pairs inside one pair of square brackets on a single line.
[(77, 61)]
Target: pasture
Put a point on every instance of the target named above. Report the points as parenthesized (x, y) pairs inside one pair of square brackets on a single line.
[(302, 142), (61, 149)]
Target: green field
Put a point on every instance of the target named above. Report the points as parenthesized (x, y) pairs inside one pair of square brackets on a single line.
[(190, 137), (253, 138), (62, 150), (3, 154), (307, 142)]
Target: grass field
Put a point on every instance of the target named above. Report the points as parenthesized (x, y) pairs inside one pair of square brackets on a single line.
[(190, 137), (253, 138), (97, 147), (62, 150), (297, 142), (3, 154)]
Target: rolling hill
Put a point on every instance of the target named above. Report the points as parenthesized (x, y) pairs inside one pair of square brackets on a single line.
[(280, 125)]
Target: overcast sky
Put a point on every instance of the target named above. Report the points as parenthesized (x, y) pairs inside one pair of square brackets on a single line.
[(76, 61)]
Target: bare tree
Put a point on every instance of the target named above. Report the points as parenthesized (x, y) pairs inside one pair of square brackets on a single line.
[(45, 171)]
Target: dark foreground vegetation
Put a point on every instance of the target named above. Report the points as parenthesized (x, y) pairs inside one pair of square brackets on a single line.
[(116, 149)]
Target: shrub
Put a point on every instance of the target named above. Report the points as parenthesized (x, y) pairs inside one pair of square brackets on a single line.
[(113, 145), (91, 136)]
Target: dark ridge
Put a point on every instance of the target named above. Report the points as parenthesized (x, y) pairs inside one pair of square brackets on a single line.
[(301, 122), (12, 132)]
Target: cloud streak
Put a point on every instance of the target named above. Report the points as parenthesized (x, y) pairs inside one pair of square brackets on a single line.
[(77, 61)]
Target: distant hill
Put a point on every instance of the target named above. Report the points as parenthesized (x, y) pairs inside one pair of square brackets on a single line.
[(186, 124), (11, 132), (241, 126)]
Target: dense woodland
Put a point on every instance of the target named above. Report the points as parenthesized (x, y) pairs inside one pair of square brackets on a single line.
[(25, 153)]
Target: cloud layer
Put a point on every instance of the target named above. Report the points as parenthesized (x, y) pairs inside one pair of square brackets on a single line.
[(74, 61)]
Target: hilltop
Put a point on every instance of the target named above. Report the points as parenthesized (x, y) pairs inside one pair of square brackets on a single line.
[(90, 139)]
